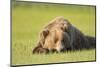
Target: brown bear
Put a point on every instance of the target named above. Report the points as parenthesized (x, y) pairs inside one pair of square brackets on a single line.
[(60, 35)]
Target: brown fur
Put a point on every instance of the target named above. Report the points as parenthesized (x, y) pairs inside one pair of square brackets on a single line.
[(59, 35)]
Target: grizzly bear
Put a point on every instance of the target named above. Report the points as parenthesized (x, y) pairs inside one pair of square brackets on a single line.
[(60, 35)]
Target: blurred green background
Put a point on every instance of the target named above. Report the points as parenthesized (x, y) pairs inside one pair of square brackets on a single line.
[(29, 18)]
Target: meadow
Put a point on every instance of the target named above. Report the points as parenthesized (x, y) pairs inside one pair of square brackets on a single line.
[(28, 19)]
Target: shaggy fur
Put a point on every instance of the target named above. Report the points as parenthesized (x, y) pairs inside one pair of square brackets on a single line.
[(59, 35)]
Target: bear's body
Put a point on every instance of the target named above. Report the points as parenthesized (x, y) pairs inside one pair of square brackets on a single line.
[(59, 35)]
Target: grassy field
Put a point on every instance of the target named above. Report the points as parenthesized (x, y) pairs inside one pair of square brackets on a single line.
[(29, 18)]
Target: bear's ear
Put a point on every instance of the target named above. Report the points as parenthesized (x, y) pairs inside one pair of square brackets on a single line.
[(67, 26), (45, 32)]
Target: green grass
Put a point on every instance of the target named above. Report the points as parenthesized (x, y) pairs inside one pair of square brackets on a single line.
[(29, 19)]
